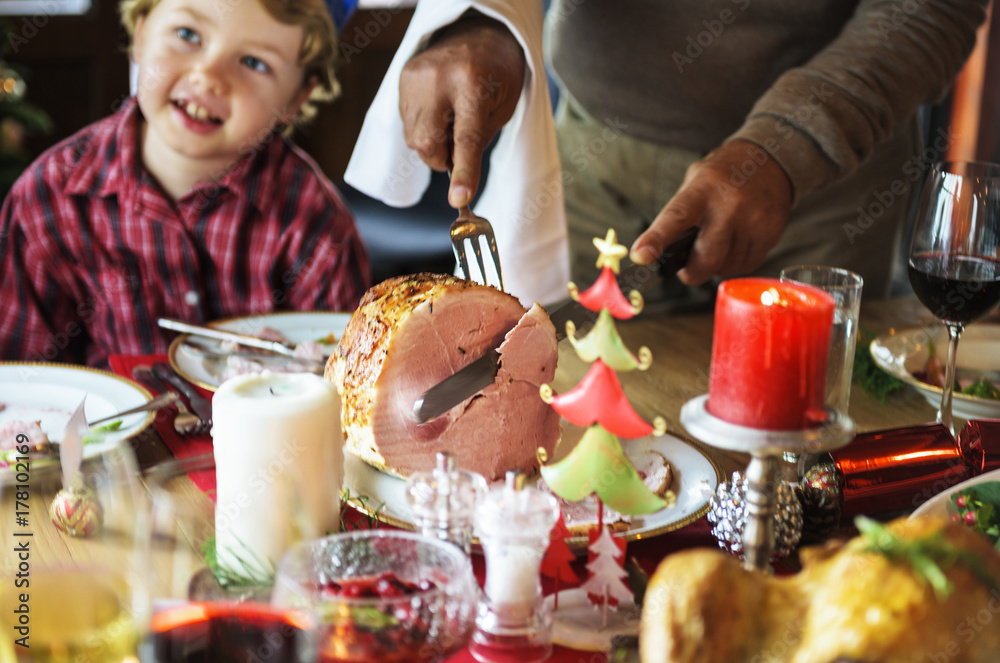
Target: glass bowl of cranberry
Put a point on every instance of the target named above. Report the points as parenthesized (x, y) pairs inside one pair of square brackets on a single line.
[(381, 595)]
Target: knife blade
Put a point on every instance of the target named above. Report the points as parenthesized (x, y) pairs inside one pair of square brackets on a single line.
[(199, 404), (218, 334), (481, 372)]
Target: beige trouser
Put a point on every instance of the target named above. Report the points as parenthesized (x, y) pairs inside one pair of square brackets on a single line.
[(613, 179)]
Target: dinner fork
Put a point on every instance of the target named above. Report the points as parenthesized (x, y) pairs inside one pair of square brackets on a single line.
[(186, 422), (473, 228)]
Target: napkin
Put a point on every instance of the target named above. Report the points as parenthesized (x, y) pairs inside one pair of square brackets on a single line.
[(523, 196)]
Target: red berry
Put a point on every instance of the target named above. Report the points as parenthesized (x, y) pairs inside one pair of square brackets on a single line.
[(957, 518), (970, 518), (961, 501)]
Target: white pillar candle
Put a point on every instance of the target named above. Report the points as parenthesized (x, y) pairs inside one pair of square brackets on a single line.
[(279, 465)]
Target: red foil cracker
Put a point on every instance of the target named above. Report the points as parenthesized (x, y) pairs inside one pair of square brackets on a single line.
[(979, 442), (899, 469)]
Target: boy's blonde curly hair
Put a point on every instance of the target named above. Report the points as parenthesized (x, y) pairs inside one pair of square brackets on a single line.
[(319, 47)]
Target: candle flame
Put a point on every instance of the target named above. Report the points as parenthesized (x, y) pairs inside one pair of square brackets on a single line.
[(771, 297)]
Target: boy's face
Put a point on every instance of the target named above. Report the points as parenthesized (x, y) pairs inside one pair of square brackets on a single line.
[(214, 78)]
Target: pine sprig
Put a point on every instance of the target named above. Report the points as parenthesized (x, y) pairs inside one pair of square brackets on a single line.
[(929, 557), (369, 517), (242, 577)]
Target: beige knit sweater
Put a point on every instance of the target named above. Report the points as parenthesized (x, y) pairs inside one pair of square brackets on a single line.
[(818, 83)]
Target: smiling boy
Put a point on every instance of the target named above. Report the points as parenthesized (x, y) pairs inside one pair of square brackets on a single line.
[(188, 202)]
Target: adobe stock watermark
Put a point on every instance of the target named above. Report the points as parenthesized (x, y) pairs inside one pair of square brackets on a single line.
[(713, 29), (884, 200)]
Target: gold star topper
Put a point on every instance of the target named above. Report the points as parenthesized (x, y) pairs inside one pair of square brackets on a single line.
[(611, 251)]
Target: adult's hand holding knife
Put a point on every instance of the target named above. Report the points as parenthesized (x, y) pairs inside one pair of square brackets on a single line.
[(481, 372)]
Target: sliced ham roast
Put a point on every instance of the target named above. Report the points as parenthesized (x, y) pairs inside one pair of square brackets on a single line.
[(411, 332)]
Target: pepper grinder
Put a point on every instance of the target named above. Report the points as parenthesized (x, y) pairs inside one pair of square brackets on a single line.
[(513, 622), (443, 501)]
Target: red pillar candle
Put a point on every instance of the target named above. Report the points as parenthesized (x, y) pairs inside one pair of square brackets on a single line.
[(769, 354)]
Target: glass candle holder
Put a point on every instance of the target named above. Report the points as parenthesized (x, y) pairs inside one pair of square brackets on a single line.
[(513, 525), (443, 501)]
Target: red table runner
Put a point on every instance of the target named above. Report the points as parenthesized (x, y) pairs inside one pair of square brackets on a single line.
[(647, 552)]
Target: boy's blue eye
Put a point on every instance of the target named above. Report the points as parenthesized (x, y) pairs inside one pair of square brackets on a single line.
[(256, 64), (189, 35)]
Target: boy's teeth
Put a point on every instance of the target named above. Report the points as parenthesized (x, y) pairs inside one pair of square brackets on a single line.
[(196, 111)]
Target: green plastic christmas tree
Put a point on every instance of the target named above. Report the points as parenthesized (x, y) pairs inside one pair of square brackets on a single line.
[(598, 465)]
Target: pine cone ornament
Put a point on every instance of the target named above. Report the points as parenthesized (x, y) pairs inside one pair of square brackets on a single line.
[(727, 511), (820, 513)]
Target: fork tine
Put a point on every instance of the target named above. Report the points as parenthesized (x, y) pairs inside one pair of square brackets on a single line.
[(477, 249), (492, 242), (458, 244)]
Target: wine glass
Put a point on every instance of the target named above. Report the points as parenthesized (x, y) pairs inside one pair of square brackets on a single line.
[(201, 608), (954, 265), (71, 568)]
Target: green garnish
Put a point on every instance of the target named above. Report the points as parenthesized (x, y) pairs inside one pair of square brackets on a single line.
[(982, 388), (873, 380), (983, 502), (98, 432), (929, 557)]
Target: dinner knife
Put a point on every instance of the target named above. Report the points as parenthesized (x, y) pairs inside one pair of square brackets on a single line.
[(218, 334), (481, 373), (199, 404)]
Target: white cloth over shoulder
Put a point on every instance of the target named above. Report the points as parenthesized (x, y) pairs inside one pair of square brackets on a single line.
[(522, 197)]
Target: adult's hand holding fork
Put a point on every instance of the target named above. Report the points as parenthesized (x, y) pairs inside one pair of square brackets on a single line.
[(464, 85)]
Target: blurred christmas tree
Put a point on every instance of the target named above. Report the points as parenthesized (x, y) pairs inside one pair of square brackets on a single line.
[(18, 118)]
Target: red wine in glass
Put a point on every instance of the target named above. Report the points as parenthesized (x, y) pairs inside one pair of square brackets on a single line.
[(212, 632), (954, 251), (955, 288)]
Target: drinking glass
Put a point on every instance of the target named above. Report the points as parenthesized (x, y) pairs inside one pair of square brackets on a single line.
[(954, 265), (71, 569), (845, 288), (202, 610)]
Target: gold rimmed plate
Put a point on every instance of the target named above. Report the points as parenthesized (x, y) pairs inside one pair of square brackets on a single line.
[(296, 326), (695, 477), (49, 393)]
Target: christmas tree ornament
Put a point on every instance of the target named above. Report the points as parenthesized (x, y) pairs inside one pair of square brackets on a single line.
[(821, 512), (75, 510), (728, 512), (603, 606)]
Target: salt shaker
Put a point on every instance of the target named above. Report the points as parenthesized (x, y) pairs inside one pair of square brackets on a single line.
[(513, 524), (443, 501)]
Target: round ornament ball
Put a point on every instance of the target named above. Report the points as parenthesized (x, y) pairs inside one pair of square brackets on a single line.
[(76, 512)]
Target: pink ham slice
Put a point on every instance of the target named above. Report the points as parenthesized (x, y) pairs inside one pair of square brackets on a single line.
[(411, 332)]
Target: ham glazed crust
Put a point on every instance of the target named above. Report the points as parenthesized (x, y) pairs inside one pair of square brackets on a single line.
[(409, 333), (357, 362)]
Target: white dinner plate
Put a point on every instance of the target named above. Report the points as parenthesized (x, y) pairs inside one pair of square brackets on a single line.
[(903, 352), (695, 478), (296, 326), (49, 393), (940, 505)]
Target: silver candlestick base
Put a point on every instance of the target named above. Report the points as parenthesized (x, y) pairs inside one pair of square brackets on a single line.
[(765, 447)]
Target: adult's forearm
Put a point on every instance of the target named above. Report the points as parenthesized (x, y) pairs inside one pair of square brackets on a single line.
[(821, 120)]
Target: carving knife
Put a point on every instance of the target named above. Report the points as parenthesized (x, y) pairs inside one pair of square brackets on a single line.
[(481, 373)]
